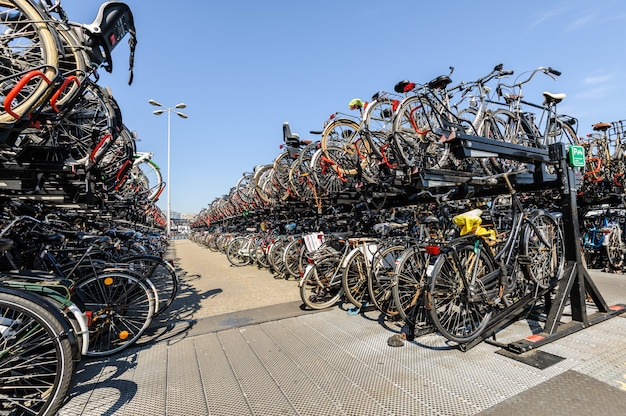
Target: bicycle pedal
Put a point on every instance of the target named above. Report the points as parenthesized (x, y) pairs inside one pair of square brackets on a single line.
[(524, 260)]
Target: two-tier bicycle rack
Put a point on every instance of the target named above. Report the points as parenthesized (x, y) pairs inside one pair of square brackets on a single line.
[(576, 286)]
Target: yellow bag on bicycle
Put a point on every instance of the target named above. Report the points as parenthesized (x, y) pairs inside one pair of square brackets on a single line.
[(470, 223)]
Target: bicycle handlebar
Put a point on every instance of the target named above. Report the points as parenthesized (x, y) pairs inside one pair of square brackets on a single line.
[(549, 71), (493, 179), (497, 72)]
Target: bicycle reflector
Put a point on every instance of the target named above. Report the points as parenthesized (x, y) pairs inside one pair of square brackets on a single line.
[(432, 250)]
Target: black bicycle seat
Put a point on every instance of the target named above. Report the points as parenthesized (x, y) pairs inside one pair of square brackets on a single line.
[(441, 81)]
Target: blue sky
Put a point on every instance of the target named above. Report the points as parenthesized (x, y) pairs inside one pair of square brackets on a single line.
[(243, 67)]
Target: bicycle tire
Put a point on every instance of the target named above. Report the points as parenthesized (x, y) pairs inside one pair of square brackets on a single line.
[(354, 278), (414, 131), (615, 248), (543, 245), (343, 144), (282, 166), (258, 252), (148, 174), (291, 257), (161, 273), (329, 177), (34, 46), (339, 133), (378, 116), (410, 283), (34, 348), (275, 256), (73, 62), (244, 186), (320, 287), (381, 281), (459, 316), (121, 307), (237, 251)]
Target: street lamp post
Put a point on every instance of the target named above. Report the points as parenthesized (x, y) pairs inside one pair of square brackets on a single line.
[(169, 111)]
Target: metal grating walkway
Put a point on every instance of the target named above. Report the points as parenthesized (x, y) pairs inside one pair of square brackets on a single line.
[(332, 363)]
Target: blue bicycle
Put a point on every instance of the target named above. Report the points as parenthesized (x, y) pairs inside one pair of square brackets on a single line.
[(602, 239)]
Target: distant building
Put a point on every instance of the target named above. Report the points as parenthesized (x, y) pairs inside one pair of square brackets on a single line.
[(190, 216)]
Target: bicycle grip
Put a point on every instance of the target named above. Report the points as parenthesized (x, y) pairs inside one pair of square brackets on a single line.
[(554, 71)]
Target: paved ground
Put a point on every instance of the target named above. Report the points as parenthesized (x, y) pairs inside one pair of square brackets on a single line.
[(237, 342)]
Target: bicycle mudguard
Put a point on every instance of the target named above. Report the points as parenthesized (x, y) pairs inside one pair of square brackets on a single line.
[(113, 22), (48, 304), (38, 282)]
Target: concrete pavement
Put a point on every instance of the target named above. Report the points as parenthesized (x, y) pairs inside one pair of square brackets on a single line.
[(237, 342)]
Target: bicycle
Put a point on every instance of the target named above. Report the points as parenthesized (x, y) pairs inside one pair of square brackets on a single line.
[(472, 278), (525, 128), (37, 364), (422, 115), (119, 304), (320, 285), (603, 235), (85, 47)]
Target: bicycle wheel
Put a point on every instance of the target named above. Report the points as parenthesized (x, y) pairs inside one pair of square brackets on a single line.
[(282, 166), (381, 280), (258, 252), (245, 188), (121, 307), (95, 116), (543, 245), (328, 177), (291, 257), (378, 116), (147, 174), (266, 186), (460, 312), (237, 251), (275, 256), (615, 249), (300, 175), (36, 366), (161, 273), (517, 129), (347, 151), (409, 286), (73, 62), (415, 134), (320, 286), (27, 44), (340, 133), (354, 278), (560, 130)]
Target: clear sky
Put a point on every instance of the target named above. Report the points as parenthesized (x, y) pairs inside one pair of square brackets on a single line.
[(243, 67)]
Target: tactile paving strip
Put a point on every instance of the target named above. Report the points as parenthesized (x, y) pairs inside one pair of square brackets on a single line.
[(570, 393)]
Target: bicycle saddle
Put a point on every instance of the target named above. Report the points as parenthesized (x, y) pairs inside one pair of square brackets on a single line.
[(551, 97), (404, 86), (601, 126), (47, 238), (441, 81), (344, 235), (431, 219), (122, 234)]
